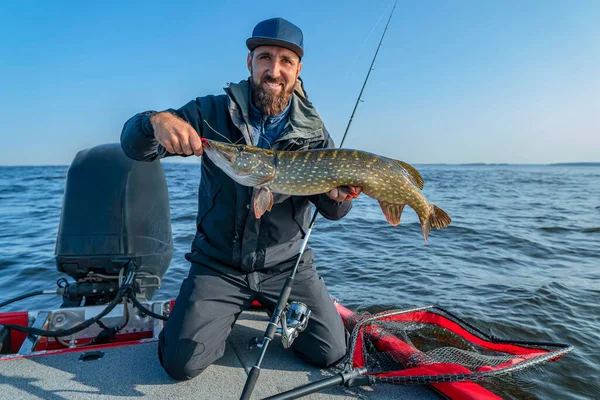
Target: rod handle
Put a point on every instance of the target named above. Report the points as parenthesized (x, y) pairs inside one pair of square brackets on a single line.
[(250, 383), (309, 388)]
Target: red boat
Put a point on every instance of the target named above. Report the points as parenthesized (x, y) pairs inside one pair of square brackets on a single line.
[(59, 366)]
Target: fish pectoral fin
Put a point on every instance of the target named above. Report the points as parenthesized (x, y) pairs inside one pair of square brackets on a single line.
[(413, 175), (392, 212), (267, 179), (263, 201), (258, 180)]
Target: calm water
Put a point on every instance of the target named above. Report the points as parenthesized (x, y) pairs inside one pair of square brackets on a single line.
[(520, 260)]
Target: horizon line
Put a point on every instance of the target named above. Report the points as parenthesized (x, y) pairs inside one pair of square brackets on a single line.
[(569, 163)]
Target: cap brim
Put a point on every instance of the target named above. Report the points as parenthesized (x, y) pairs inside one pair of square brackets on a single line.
[(254, 42)]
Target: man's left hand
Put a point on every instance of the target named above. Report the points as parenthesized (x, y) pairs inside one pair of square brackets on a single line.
[(344, 193)]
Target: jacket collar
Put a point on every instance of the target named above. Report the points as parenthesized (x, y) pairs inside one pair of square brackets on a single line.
[(304, 122)]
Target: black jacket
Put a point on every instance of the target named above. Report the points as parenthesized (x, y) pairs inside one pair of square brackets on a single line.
[(227, 228)]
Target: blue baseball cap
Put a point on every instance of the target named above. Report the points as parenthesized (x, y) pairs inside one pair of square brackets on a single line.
[(277, 32)]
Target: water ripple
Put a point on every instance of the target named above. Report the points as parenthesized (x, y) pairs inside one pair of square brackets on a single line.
[(520, 259)]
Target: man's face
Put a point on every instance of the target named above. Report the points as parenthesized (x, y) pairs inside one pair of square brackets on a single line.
[(274, 71)]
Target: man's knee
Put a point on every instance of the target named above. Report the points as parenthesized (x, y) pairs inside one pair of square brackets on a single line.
[(183, 360), (332, 356), (322, 357)]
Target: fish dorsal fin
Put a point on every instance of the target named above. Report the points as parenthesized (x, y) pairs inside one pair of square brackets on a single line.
[(411, 173)]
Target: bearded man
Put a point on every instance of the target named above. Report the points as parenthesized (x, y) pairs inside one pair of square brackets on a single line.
[(235, 257)]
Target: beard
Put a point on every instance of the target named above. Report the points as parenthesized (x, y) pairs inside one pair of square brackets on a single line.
[(267, 101)]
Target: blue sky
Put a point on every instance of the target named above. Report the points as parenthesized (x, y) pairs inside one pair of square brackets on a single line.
[(455, 81)]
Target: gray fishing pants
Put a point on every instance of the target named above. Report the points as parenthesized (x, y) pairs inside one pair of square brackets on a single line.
[(212, 297)]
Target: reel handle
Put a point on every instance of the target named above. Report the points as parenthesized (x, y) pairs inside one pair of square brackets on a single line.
[(254, 342)]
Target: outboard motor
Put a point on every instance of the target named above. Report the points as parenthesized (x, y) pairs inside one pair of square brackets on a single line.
[(115, 212)]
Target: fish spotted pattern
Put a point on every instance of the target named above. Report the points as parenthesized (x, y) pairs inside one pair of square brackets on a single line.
[(302, 173)]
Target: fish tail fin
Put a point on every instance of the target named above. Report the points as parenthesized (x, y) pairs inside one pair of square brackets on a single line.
[(437, 219)]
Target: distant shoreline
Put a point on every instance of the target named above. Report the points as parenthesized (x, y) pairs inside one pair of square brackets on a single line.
[(576, 164)]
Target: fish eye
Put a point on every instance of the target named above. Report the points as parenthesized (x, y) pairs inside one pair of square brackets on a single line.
[(241, 148)]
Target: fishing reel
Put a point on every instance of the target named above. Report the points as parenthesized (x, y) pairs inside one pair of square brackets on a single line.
[(294, 320)]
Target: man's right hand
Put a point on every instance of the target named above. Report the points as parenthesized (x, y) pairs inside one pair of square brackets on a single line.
[(176, 135)]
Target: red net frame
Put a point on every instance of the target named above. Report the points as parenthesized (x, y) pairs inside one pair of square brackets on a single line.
[(390, 347)]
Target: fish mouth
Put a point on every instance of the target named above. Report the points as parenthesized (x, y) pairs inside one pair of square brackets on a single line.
[(206, 143), (216, 151)]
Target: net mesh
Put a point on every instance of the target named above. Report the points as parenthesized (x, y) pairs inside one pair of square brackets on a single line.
[(428, 345)]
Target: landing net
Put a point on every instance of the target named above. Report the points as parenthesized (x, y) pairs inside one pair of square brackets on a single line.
[(431, 345)]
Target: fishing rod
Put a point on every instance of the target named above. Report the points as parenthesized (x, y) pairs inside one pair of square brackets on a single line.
[(281, 305)]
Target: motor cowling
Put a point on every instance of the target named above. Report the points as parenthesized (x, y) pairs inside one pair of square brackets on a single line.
[(115, 211)]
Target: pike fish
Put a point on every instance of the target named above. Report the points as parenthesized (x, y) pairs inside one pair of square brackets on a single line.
[(302, 173)]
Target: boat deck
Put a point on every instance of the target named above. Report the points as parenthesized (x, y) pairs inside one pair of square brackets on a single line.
[(130, 372)]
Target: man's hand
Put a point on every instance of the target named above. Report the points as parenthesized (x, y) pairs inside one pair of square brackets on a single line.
[(176, 135), (344, 193)]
